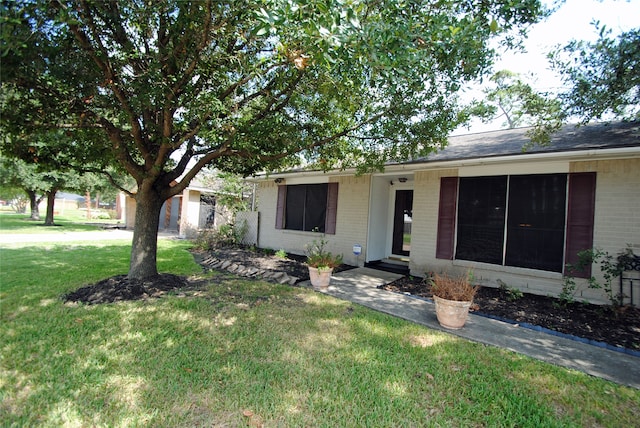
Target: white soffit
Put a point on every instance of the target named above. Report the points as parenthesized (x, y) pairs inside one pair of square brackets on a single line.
[(514, 169)]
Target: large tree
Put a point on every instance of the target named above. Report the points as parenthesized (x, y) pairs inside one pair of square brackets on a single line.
[(513, 99), (243, 85), (602, 77)]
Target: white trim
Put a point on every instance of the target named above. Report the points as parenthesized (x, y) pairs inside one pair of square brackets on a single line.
[(519, 159), (507, 269), (317, 179), (569, 156), (556, 167)]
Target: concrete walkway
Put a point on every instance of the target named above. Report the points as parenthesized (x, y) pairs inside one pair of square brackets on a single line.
[(360, 286)]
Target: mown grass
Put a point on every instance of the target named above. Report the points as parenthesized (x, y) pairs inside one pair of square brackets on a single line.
[(289, 356), (73, 221)]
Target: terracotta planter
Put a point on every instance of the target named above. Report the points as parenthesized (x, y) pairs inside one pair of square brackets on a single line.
[(451, 313), (320, 278)]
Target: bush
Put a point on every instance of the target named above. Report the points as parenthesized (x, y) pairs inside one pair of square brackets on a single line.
[(224, 236), (319, 258), (611, 268)]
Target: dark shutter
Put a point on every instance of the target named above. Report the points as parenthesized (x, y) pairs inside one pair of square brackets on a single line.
[(580, 211), (332, 209), (282, 200), (446, 217)]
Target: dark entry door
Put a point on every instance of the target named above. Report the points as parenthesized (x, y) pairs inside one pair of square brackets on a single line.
[(402, 223)]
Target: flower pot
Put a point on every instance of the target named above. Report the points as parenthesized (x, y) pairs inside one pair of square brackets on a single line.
[(451, 314), (320, 278)]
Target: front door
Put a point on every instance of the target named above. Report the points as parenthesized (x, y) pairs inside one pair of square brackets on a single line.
[(402, 223)]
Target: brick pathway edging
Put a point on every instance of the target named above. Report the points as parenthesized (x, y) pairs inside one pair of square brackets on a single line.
[(210, 262)]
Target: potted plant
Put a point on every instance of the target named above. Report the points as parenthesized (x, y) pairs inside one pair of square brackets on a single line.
[(453, 297), (321, 263)]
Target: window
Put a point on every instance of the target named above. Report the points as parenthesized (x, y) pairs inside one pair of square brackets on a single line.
[(535, 224), (481, 214), (307, 207), (517, 220)]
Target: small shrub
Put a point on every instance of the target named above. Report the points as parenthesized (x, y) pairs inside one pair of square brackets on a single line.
[(319, 258), (282, 254), (224, 236), (512, 293), (205, 240), (610, 266)]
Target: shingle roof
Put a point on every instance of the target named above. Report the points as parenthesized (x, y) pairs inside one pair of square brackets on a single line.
[(511, 141)]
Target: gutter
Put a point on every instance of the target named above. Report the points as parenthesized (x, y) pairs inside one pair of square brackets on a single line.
[(578, 155)]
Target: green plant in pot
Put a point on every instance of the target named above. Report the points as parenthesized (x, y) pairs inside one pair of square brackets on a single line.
[(453, 297), (321, 263)]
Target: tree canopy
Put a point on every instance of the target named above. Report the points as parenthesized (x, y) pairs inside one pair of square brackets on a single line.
[(603, 77), (515, 101), (163, 89)]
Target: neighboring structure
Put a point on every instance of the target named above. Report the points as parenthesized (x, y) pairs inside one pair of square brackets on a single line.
[(482, 203), (65, 201), (185, 214)]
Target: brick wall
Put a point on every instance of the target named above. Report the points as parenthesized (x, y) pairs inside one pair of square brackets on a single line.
[(351, 220), (617, 223), (426, 194), (617, 211)]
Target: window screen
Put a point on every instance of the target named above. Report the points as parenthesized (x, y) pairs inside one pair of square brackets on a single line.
[(481, 213), (535, 224), (306, 207), (533, 212)]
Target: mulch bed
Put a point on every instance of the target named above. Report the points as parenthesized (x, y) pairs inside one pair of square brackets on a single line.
[(618, 328)]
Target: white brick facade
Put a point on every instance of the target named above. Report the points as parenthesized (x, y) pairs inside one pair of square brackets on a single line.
[(351, 220), (617, 223), (366, 206)]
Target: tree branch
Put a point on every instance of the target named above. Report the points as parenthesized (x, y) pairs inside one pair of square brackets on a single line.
[(111, 78)]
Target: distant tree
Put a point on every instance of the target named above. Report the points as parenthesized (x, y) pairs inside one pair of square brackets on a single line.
[(16, 174), (515, 101), (603, 77), (244, 85), (18, 184)]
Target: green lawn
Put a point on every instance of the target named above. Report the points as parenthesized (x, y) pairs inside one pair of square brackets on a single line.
[(72, 221), (289, 356)]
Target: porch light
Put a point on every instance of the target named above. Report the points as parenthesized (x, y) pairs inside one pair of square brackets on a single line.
[(402, 179)]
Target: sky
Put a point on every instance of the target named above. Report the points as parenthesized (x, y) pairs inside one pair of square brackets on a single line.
[(571, 21)]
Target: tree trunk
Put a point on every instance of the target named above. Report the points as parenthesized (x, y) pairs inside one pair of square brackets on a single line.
[(87, 200), (33, 202), (51, 199), (145, 235)]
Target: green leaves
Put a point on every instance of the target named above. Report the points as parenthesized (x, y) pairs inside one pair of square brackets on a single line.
[(518, 104), (602, 76), (252, 85)]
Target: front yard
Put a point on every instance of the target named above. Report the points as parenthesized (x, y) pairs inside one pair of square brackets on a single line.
[(239, 352)]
